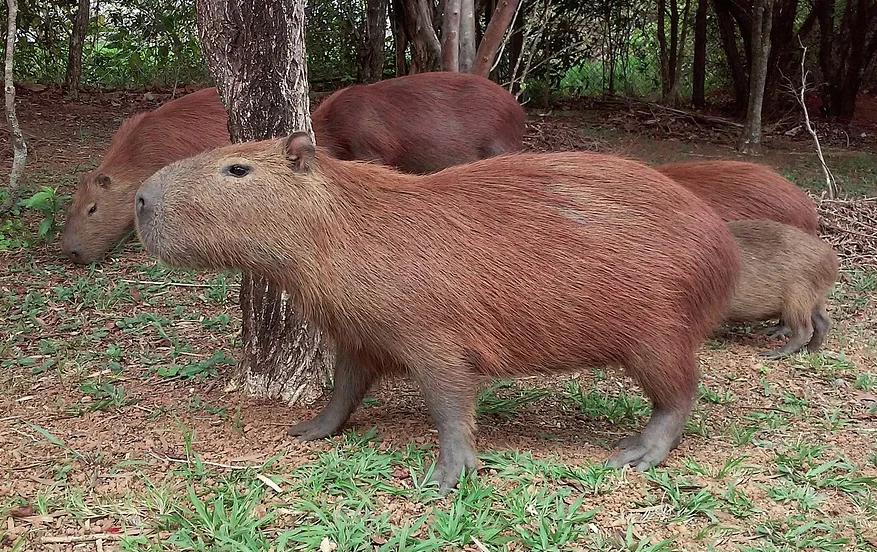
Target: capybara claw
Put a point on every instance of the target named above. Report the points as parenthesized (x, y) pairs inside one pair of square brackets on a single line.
[(774, 355), (310, 430), (638, 453), (776, 332)]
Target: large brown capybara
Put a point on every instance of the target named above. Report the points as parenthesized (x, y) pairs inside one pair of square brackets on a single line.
[(518, 264), (786, 273), (739, 190), (420, 123)]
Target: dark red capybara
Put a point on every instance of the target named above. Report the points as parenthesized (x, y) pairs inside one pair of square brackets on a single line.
[(738, 190), (100, 215), (517, 264), (785, 273), (421, 123)]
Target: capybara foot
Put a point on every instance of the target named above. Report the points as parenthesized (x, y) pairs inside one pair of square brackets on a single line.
[(651, 447), (450, 466), (776, 331), (313, 429)]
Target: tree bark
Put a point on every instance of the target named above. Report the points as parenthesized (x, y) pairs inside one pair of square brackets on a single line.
[(698, 96), (256, 53), (400, 41), (74, 52), (663, 56), (451, 36), (467, 35), (372, 59), (493, 35), (732, 53), (516, 49), (416, 19), (750, 139), (19, 146)]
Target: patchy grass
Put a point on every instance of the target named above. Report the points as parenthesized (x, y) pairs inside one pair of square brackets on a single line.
[(116, 428)]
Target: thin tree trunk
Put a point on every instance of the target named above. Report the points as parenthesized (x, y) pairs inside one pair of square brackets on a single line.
[(732, 53), (256, 53), (376, 21), (19, 146), (516, 49), (467, 35), (698, 96), (662, 48), (74, 53), (400, 41), (451, 36), (496, 29), (750, 140)]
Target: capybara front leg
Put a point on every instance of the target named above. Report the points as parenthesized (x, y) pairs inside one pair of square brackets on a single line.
[(451, 404), (821, 324), (671, 387), (351, 383)]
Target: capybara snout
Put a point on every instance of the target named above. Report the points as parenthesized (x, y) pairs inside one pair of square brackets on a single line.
[(513, 265)]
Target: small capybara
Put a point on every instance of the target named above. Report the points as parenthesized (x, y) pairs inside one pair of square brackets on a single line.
[(786, 273), (739, 190), (420, 123), (100, 214), (517, 264)]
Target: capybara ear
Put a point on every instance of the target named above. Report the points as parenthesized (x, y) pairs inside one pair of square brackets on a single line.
[(103, 180), (300, 151)]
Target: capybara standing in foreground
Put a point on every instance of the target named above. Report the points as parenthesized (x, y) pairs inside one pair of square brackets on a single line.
[(421, 123), (787, 274), (738, 190), (100, 215), (519, 264)]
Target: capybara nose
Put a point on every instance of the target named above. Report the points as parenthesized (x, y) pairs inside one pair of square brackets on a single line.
[(71, 250)]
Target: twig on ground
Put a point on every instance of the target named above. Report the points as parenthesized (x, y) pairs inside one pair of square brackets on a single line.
[(172, 284), (205, 462), (71, 539)]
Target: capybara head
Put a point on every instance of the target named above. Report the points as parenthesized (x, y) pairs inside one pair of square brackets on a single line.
[(101, 214)]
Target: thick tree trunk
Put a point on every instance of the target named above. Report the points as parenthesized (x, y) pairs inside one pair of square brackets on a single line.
[(467, 35), (493, 35), (400, 41), (256, 53), (74, 52), (451, 36), (415, 17), (750, 139), (372, 59), (698, 96)]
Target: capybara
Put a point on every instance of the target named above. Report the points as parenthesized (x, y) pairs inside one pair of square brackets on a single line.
[(100, 215), (739, 190), (786, 274), (517, 264), (420, 123)]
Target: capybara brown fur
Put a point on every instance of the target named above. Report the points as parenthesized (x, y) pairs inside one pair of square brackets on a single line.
[(421, 123), (517, 264), (785, 273), (739, 190), (100, 214)]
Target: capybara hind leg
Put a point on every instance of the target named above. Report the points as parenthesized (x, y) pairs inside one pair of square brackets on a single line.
[(451, 404), (776, 331), (351, 383), (672, 394), (821, 324), (801, 330)]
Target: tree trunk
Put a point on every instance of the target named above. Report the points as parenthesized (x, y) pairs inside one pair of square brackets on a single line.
[(467, 35), (256, 54), (493, 35), (74, 53), (516, 49), (400, 41), (750, 139), (732, 53), (662, 48), (19, 146), (698, 96), (451, 36), (416, 19), (373, 48)]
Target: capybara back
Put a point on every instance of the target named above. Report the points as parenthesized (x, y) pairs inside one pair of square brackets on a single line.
[(421, 123), (518, 264), (739, 190), (786, 274)]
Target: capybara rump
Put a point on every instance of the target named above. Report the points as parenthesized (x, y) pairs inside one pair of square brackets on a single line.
[(738, 190), (785, 274), (518, 264)]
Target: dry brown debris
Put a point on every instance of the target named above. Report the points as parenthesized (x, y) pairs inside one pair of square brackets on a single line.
[(850, 226)]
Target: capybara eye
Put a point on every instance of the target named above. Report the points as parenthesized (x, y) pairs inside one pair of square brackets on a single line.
[(237, 170), (92, 209)]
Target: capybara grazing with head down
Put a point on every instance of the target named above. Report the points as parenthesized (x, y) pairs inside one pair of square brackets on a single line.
[(738, 190), (518, 264), (100, 214), (786, 274), (421, 123)]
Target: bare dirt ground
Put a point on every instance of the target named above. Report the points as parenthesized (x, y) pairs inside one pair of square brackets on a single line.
[(116, 431)]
